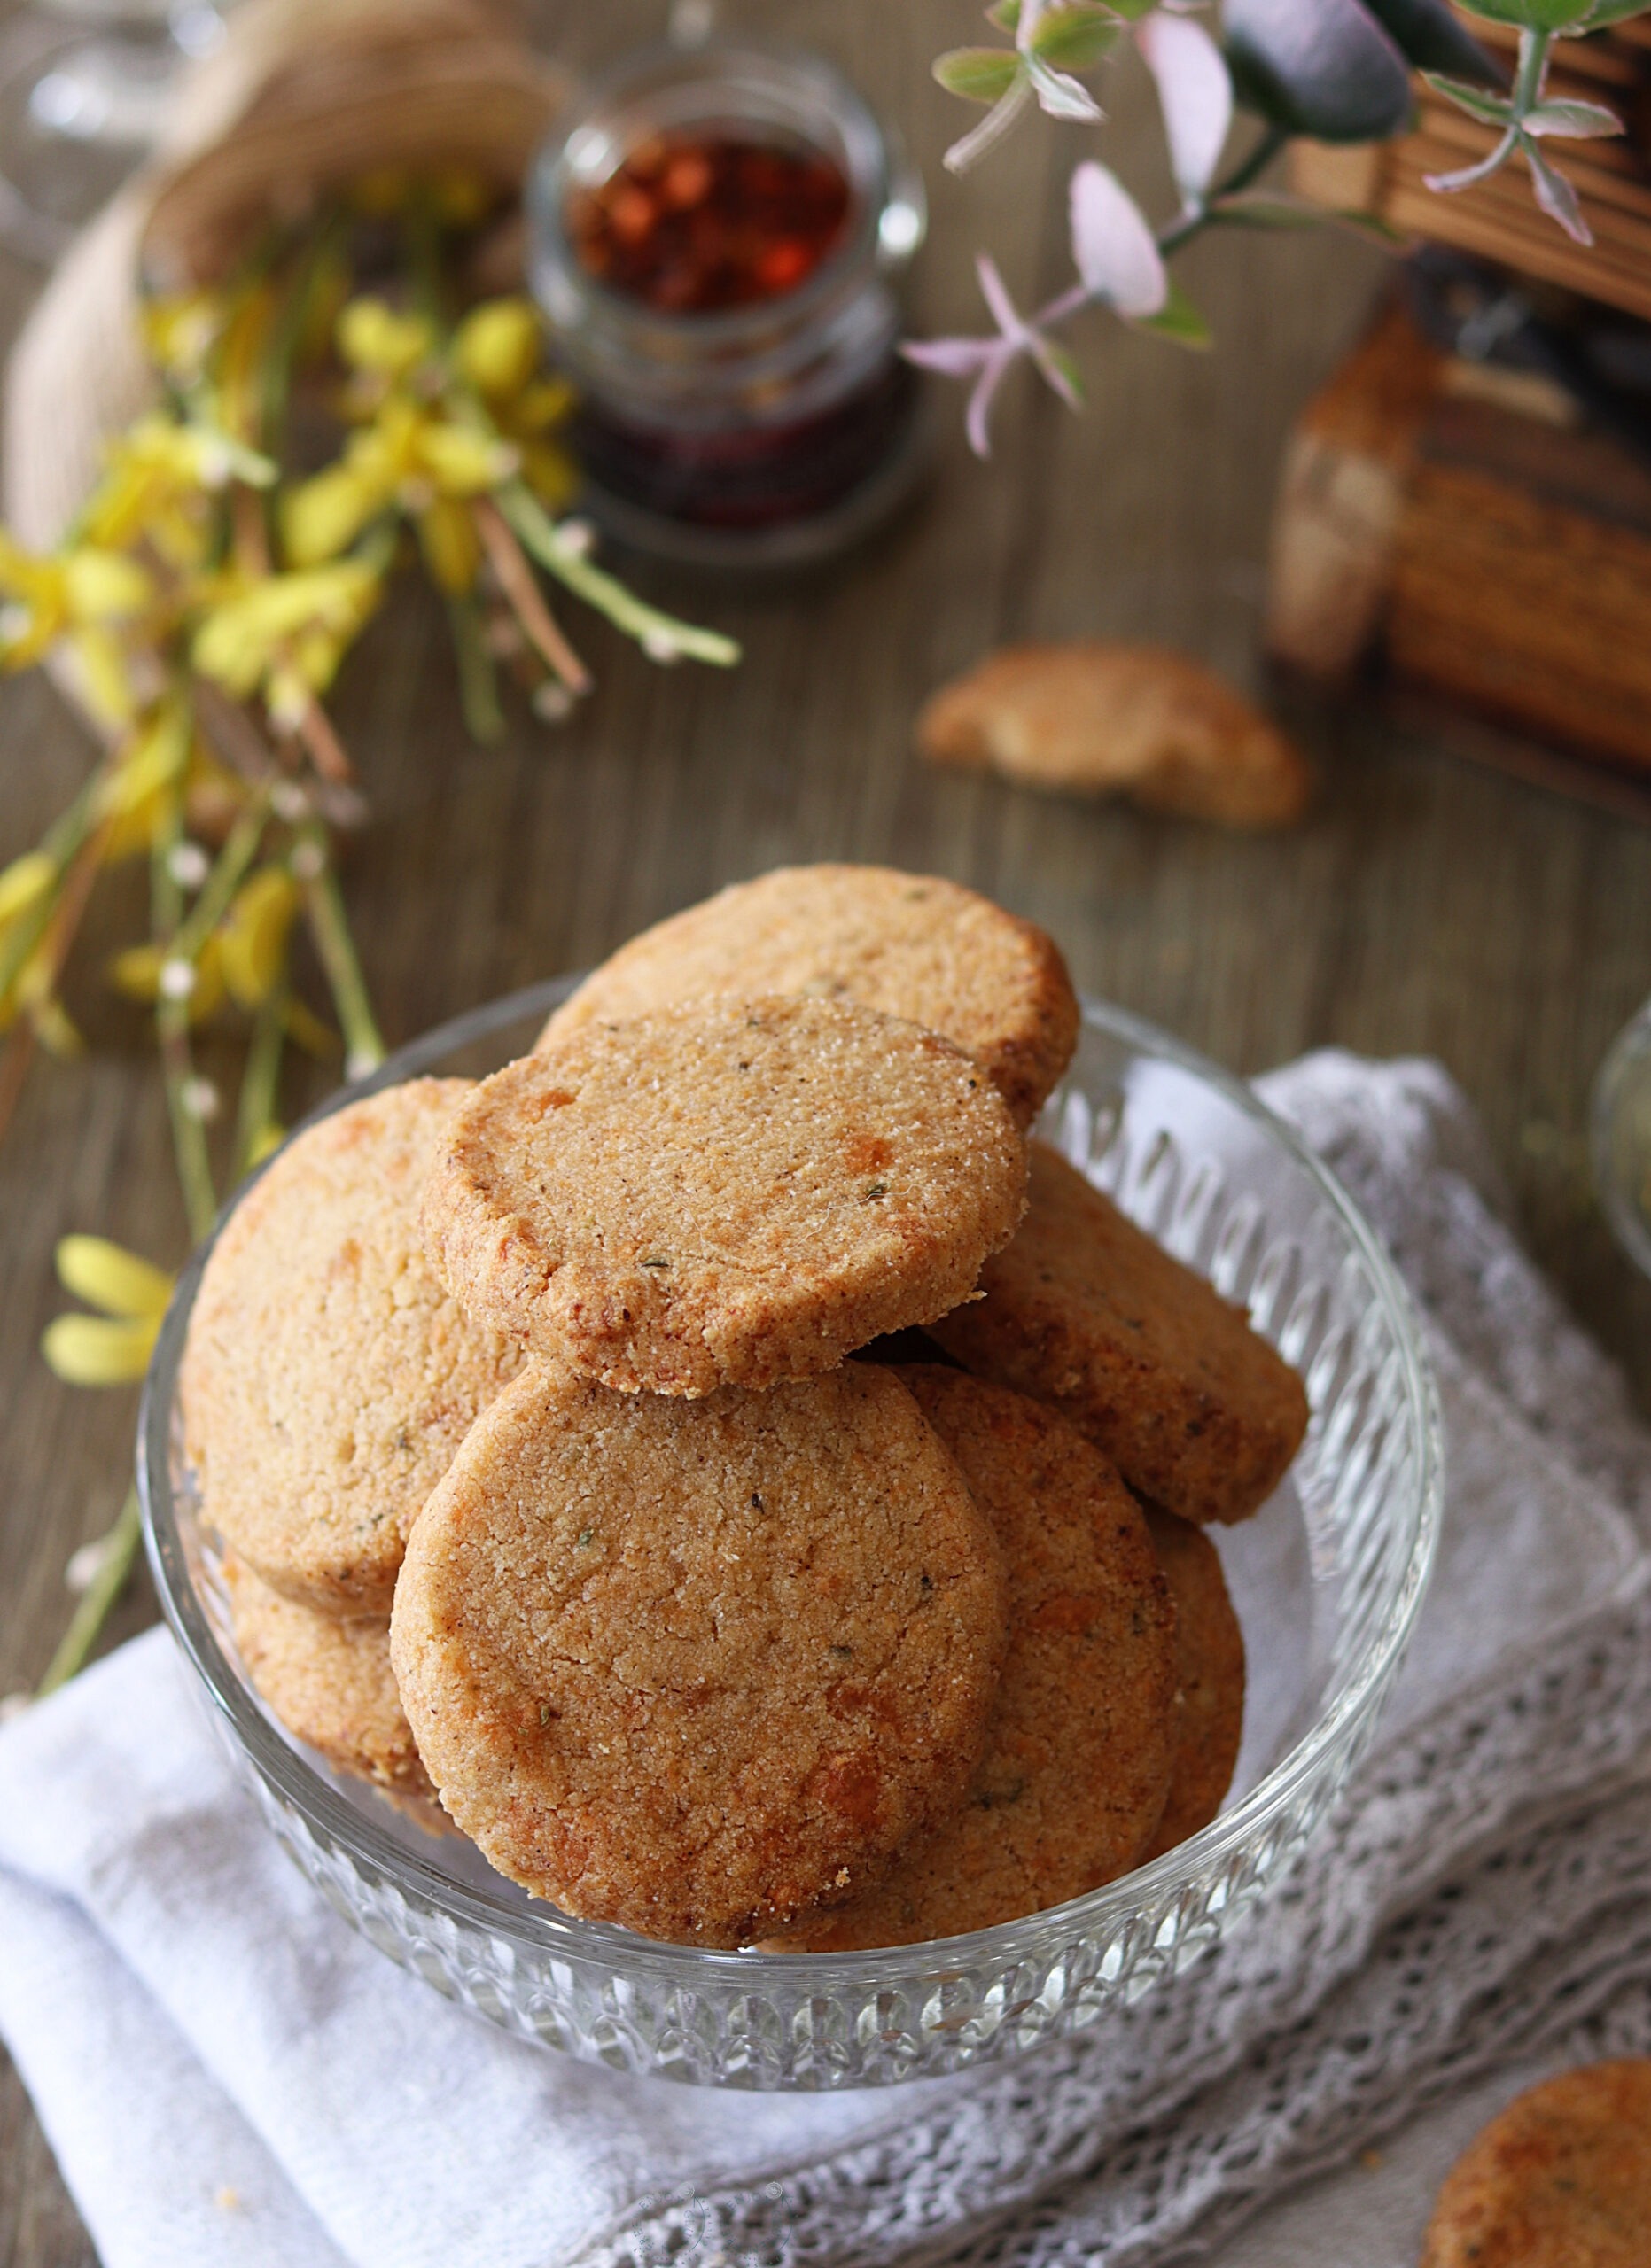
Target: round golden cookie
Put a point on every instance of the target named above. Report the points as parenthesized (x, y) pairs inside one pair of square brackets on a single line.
[(912, 945), (724, 1192), (328, 1681), (329, 1377), (698, 1667), (1561, 2179), (1078, 1751), (1210, 1658)]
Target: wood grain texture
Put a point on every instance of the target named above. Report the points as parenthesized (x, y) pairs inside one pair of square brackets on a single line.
[(1424, 907)]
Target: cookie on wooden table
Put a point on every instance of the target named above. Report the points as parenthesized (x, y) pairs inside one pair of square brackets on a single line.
[(724, 1192), (914, 945), (1086, 1311), (329, 1377), (1078, 1753), (1209, 1660), (328, 1682), (699, 1667), (1561, 2179)]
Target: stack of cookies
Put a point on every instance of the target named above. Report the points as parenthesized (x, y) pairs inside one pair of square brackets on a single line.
[(751, 1488)]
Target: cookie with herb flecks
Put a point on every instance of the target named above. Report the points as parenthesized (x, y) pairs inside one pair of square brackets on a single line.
[(699, 1667), (329, 1377), (1084, 1311), (1209, 1662), (912, 945), (724, 1192), (328, 1682), (1077, 1762), (1561, 2179)]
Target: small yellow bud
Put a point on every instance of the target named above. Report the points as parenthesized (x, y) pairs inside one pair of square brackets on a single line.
[(498, 344), (448, 532), (373, 337), (252, 939), (108, 1277), (24, 883), (90, 1350)]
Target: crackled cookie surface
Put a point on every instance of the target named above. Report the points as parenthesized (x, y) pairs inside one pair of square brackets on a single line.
[(724, 1192), (1210, 1662), (329, 1376), (699, 1667), (329, 1683), (1084, 1311), (912, 945), (1561, 2179), (1076, 1761)]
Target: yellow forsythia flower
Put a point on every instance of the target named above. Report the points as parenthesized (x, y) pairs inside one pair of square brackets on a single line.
[(113, 1347), (452, 548), (24, 883), (373, 337), (304, 620), (253, 939), (497, 346), (88, 1350), (138, 972)]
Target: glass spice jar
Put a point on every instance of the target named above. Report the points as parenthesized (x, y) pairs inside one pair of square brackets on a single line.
[(716, 239)]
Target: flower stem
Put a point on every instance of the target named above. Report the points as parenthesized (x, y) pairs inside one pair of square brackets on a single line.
[(260, 1078), (1187, 225), (515, 580), (1533, 69), (115, 1565), (479, 685), (363, 1047), (661, 635)]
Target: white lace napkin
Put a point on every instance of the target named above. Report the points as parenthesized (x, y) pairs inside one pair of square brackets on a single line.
[(231, 2076)]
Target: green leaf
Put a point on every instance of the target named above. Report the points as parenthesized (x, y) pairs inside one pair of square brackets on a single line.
[(1533, 15), (1328, 70), (1005, 14), (1431, 38), (1583, 120), (1613, 11), (1495, 110), (980, 75), (1372, 225), (1075, 36), (1061, 360), (1178, 320), (1263, 212)]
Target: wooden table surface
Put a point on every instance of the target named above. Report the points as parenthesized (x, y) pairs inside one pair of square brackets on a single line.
[(1425, 907)]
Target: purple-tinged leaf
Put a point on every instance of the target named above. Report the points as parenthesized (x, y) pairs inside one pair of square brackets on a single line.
[(1323, 67), (1580, 120), (1114, 251), (1556, 196), (1061, 97), (953, 358), (979, 74), (1011, 325), (991, 129), (1447, 185), (1432, 39), (977, 423), (1195, 93), (1489, 109)]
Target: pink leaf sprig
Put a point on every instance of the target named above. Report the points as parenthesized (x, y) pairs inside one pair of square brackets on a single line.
[(1119, 266), (1526, 119)]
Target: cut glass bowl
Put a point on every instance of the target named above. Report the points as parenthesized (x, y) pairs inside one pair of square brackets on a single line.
[(1327, 1578)]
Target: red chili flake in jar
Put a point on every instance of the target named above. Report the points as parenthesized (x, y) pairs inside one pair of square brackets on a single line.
[(694, 225)]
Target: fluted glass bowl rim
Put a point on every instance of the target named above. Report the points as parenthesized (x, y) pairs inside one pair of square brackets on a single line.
[(543, 1934)]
